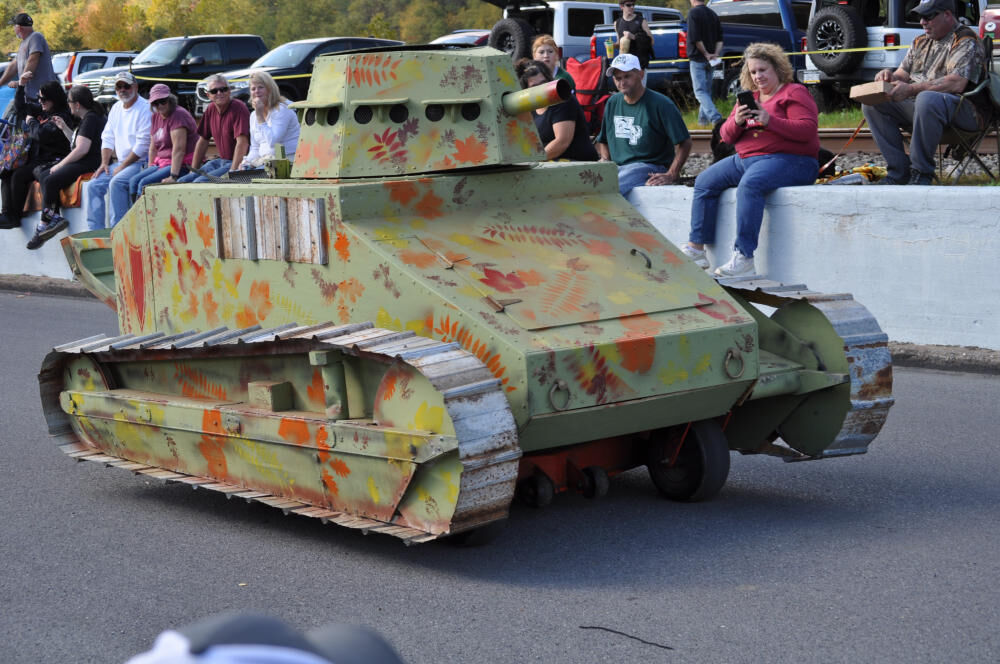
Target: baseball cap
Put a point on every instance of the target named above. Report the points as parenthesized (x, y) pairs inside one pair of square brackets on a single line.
[(928, 7), (158, 92), (624, 62), (21, 19), (125, 77)]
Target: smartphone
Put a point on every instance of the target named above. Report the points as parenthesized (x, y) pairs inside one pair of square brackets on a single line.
[(745, 98)]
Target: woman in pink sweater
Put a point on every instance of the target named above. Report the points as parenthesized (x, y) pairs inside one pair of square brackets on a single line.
[(776, 146)]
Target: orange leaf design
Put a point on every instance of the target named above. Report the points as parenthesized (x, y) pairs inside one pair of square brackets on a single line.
[(506, 283), (470, 151), (206, 230), (260, 298), (343, 246), (647, 241), (246, 318), (211, 308), (530, 277), (316, 390), (401, 192), (429, 206), (595, 224), (421, 259)]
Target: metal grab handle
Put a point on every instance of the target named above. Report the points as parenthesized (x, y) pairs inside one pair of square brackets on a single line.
[(636, 252), (559, 385), (731, 355)]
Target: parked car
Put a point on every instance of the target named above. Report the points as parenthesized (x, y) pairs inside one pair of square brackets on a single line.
[(71, 64), (570, 23), (989, 21), (291, 65), (180, 62), (473, 37), (876, 24)]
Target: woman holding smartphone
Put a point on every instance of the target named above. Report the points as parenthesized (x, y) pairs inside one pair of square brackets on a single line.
[(774, 133)]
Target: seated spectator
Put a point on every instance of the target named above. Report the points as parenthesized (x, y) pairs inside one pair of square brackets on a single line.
[(544, 50), (49, 145), (562, 127), (776, 146), (642, 131), (173, 134), (940, 65), (84, 157), (226, 120), (271, 122), (124, 148)]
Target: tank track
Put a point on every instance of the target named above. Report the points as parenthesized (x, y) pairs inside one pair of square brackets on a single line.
[(866, 347), (474, 399)]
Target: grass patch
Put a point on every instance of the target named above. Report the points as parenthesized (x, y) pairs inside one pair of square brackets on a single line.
[(847, 118)]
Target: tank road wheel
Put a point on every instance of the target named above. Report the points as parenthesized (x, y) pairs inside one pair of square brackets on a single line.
[(595, 482), (513, 37), (701, 465), (536, 491)]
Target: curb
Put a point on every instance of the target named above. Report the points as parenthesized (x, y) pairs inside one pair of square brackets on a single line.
[(963, 359)]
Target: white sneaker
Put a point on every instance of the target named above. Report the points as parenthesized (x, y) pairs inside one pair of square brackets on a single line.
[(738, 266), (696, 255)]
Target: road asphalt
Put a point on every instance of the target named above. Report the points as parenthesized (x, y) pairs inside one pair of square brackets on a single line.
[(943, 358)]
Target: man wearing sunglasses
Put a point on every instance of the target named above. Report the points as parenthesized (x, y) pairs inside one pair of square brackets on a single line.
[(32, 56), (227, 120), (124, 146), (941, 64)]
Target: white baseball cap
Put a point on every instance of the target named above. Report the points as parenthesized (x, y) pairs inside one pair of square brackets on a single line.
[(624, 62)]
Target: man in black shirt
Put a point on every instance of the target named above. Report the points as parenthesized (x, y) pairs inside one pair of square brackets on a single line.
[(705, 40)]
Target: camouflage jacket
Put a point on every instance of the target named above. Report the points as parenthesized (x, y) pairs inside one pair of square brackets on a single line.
[(959, 52)]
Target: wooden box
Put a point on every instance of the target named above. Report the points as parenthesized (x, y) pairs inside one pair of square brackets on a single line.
[(871, 93)]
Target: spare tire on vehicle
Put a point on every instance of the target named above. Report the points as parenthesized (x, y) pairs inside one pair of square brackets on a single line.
[(512, 36), (831, 29)]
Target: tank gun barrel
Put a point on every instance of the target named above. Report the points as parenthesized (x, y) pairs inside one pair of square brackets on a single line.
[(539, 96)]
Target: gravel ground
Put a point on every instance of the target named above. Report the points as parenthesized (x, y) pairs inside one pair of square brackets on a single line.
[(696, 163)]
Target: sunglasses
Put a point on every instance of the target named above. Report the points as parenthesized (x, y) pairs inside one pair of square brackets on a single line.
[(628, 4), (930, 17), (42, 99), (217, 91), (158, 102)]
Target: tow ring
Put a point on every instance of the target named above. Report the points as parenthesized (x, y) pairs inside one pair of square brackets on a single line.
[(559, 385), (734, 354)]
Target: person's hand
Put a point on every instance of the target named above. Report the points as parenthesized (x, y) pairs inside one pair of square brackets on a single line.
[(762, 117), (12, 84), (118, 169), (660, 178), (628, 34), (59, 122), (103, 168), (743, 113), (884, 75), (25, 77), (901, 91)]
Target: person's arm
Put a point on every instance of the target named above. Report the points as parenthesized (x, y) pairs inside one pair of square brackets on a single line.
[(9, 72), (200, 148), (79, 151), (603, 152), (645, 27), (563, 137), (32, 63), (800, 122), (107, 155), (240, 151), (178, 135), (129, 159), (949, 83)]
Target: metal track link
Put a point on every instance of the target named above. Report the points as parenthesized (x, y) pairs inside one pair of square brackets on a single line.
[(866, 347), (474, 399)]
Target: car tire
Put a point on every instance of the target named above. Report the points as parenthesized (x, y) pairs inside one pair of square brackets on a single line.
[(730, 84), (832, 28), (513, 37)]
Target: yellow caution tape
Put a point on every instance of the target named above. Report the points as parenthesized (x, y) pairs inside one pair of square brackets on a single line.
[(860, 49)]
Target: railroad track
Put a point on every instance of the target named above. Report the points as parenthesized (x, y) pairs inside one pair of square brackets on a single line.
[(831, 139)]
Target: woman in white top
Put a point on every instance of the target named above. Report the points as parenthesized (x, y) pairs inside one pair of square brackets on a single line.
[(271, 122)]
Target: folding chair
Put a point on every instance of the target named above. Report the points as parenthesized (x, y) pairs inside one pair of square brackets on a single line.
[(963, 145), (592, 88)]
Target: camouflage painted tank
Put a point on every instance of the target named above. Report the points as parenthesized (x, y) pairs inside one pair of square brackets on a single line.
[(425, 319)]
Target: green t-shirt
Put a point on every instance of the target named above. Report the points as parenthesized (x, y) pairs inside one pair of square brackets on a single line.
[(562, 73), (644, 132)]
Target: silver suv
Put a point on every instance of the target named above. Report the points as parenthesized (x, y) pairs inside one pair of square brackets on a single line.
[(71, 64), (875, 24)]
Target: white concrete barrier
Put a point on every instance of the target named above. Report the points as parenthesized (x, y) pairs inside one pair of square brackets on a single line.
[(922, 259)]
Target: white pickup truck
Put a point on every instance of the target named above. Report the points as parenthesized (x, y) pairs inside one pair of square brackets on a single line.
[(570, 23)]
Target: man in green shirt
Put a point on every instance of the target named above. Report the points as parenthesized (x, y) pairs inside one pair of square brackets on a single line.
[(642, 130)]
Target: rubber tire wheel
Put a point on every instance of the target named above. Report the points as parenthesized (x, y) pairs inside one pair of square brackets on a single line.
[(596, 482), (537, 491), (835, 27), (730, 84), (702, 465), (513, 37)]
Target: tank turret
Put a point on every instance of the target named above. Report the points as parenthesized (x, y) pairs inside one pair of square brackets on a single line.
[(423, 320), (391, 112)]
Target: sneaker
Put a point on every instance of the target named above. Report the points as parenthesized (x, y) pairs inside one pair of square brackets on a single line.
[(48, 214), (738, 266), (46, 230), (696, 255), (8, 223), (923, 179)]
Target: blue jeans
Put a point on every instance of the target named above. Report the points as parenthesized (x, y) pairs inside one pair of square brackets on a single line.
[(99, 186), (149, 175), (754, 178), (701, 81), (927, 114), (635, 175), (217, 167)]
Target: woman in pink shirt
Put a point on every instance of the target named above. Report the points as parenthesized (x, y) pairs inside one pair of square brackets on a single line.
[(173, 134), (776, 145)]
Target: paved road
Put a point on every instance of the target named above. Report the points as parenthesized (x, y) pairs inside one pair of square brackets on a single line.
[(888, 557)]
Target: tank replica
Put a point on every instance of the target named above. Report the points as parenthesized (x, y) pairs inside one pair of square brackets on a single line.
[(424, 319)]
